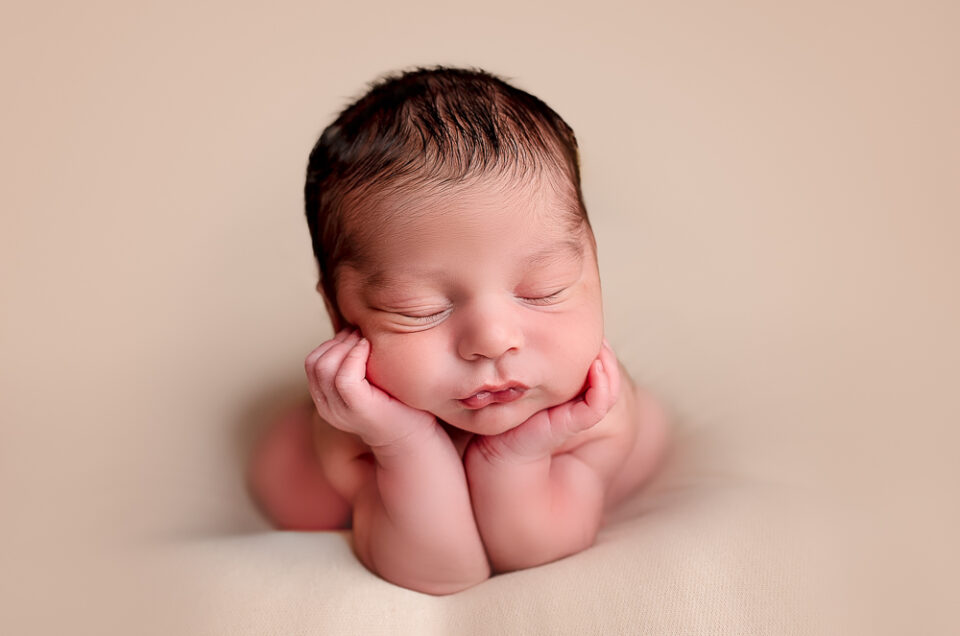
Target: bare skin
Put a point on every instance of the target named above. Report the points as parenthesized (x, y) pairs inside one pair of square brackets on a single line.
[(293, 479), (470, 419)]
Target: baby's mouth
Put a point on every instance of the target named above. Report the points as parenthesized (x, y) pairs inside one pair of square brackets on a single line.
[(486, 398)]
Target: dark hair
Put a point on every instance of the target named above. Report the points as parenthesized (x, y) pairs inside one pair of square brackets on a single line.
[(437, 126)]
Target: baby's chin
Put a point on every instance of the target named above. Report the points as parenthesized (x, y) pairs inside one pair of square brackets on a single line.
[(493, 419)]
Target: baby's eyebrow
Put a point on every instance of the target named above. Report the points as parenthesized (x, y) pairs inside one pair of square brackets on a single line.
[(568, 250), (382, 279)]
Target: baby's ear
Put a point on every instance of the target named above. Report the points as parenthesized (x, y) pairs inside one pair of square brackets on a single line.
[(335, 318)]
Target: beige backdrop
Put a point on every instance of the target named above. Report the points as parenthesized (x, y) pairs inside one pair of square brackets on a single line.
[(774, 188)]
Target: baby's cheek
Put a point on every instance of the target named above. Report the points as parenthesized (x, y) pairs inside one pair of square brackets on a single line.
[(383, 368), (578, 353), (574, 380), (398, 370)]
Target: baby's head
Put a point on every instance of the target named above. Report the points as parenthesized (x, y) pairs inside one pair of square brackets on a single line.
[(448, 224)]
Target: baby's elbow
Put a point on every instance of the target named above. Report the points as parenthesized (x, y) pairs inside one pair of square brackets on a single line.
[(445, 588), (437, 586)]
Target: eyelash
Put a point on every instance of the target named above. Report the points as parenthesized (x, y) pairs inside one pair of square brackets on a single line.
[(426, 319), (533, 300), (542, 300)]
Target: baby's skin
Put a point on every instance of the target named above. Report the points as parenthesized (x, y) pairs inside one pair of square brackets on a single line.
[(468, 417)]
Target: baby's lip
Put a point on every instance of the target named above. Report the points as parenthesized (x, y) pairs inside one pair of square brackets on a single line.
[(493, 394), (493, 388)]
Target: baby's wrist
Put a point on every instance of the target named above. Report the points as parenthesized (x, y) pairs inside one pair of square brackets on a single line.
[(497, 450), (410, 440)]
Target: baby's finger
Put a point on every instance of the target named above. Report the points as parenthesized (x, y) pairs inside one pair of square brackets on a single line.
[(533, 439), (319, 399), (598, 389), (345, 333), (328, 364), (314, 355), (321, 376), (580, 414), (612, 370), (309, 365), (351, 379)]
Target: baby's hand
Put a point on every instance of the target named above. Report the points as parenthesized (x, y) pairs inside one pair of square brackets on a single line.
[(547, 430), (347, 401)]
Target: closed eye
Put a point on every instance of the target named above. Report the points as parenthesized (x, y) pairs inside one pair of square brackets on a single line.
[(543, 300), (427, 319)]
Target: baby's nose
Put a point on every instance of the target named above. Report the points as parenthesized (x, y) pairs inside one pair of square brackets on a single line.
[(489, 334)]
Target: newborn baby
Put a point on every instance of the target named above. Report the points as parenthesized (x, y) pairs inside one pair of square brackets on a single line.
[(468, 416)]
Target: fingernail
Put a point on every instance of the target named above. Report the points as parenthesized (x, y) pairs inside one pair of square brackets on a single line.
[(599, 367)]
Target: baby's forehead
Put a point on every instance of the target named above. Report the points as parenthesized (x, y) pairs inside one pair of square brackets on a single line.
[(405, 233), (544, 202), (377, 273)]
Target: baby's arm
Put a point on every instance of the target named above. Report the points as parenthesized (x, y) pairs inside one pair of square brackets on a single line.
[(534, 506), (413, 523)]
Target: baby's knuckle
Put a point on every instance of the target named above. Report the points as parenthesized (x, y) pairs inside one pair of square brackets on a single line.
[(310, 362), (343, 379), (346, 386), (325, 368)]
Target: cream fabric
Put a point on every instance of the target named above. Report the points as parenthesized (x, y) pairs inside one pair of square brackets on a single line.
[(773, 188), (693, 554)]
